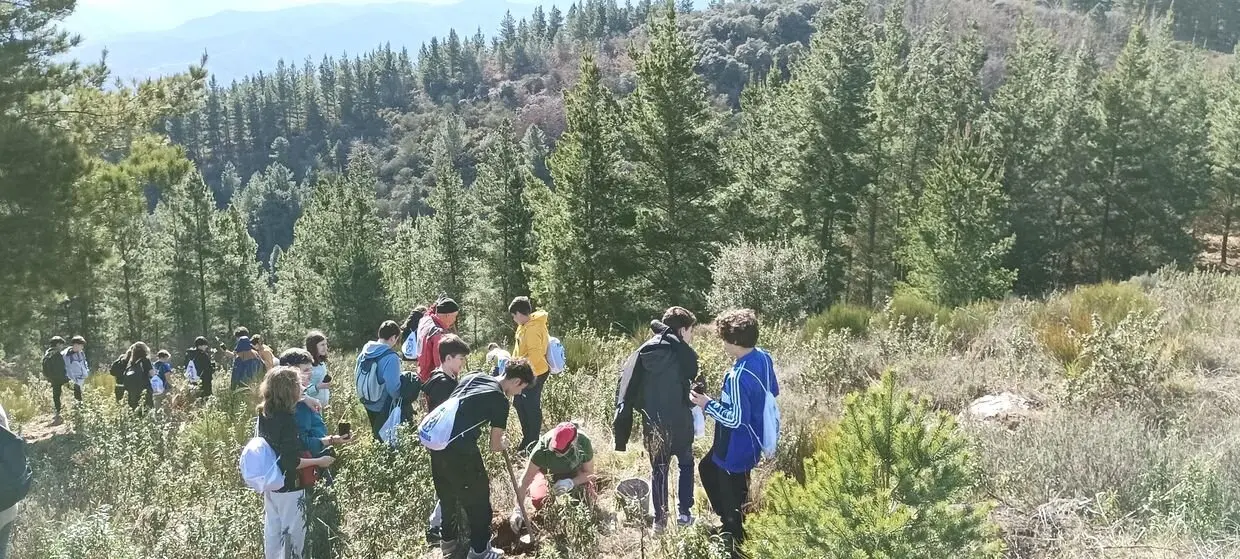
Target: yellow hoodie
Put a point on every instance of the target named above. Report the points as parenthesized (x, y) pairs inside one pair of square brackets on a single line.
[(532, 342)]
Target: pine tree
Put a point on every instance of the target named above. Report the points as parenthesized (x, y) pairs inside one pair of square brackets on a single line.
[(332, 276), (237, 280), (894, 479), (271, 203), (452, 226), (755, 156), (957, 242), (535, 146), (830, 90), (506, 239), (1021, 120), (187, 250), (1225, 151), (1152, 146), (583, 228), (878, 234), (671, 133)]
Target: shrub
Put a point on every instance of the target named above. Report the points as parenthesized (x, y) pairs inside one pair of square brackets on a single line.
[(851, 319), (1127, 363), (911, 306), (1061, 324), (968, 323), (780, 281), (892, 480), (834, 366)]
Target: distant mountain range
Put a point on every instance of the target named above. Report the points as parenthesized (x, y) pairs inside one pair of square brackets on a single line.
[(240, 43)]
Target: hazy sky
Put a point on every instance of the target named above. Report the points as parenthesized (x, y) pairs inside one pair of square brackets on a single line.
[(96, 18)]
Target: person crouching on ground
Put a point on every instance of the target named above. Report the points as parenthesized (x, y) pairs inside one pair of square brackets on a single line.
[(562, 461), (460, 476), (738, 415), (284, 523)]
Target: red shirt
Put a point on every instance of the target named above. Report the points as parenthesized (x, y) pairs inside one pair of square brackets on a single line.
[(428, 358)]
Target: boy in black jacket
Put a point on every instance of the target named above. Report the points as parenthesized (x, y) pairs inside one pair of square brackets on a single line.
[(663, 371), (200, 357)]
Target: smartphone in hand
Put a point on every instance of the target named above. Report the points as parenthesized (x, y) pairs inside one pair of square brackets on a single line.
[(345, 429)]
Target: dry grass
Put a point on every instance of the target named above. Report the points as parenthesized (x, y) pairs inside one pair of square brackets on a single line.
[(1122, 477)]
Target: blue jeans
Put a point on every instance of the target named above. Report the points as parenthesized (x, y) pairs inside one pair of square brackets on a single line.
[(660, 464)]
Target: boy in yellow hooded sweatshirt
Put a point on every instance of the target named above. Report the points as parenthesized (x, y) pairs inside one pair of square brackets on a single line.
[(532, 341)]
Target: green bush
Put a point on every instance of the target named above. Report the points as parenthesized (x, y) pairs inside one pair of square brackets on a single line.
[(1062, 322), (1127, 363), (853, 319), (910, 306), (780, 281), (967, 323), (893, 480)]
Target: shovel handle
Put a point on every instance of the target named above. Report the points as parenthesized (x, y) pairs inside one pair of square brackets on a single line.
[(515, 492)]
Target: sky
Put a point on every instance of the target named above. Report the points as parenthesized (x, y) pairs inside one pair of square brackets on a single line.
[(96, 19)]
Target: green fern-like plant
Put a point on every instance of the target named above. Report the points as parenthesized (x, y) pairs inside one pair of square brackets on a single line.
[(893, 480)]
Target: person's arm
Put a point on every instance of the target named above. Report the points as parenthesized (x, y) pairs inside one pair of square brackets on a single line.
[(726, 414), (531, 472), (584, 473), (497, 440)]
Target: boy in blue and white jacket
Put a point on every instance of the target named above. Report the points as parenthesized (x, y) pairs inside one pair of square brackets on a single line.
[(738, 415), (383, 350)]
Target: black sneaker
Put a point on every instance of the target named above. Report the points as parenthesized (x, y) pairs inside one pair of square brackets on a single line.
[(434, 536)]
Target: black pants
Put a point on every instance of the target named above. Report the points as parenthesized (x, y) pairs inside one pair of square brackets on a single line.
[(204, 388), (529, 412), (136, 388), (728, 494), (377, 419), (462, 484), (56, 394)]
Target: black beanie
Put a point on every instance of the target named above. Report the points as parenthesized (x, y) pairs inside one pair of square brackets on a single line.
[(447, 306)]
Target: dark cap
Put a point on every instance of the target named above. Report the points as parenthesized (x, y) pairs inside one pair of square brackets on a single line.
[(447, 306)]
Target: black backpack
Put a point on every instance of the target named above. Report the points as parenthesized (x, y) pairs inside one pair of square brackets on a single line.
[(54, 367), (15, 474)]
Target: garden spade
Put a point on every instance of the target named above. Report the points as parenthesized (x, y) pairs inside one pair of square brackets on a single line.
[(528, 537)]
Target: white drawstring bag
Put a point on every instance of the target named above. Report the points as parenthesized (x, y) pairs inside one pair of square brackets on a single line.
[(260, 466), (157, 386), (387, 433)]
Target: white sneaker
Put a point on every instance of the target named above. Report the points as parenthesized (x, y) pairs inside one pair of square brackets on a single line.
[(492, 553), (684, 520)]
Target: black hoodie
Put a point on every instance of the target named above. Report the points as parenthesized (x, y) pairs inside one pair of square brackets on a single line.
[(663, 372)]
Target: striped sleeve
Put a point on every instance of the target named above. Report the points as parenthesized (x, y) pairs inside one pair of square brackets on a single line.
[(728, 414)]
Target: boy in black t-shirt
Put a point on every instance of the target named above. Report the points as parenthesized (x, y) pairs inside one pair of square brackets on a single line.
[(438, 388), (459, 474)]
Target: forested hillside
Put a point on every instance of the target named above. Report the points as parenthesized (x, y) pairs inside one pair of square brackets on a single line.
[(955, 149)]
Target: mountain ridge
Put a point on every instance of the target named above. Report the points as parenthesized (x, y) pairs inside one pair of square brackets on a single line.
[(239, 42)]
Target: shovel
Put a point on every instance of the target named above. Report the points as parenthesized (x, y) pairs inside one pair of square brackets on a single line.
[(528, 537)]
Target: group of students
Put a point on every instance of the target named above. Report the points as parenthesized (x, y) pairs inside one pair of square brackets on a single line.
[(660, 382)]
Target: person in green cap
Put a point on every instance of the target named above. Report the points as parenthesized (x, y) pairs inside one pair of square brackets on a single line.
[(562, 461)]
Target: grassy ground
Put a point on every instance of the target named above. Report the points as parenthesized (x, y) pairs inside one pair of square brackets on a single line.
[(1129, 448)]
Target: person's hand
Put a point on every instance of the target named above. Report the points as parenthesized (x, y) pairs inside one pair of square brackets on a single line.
[(503, 445), (315, 405), (327, 461), (516, 520), (563, 486), (698, 399), (324, 385)]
